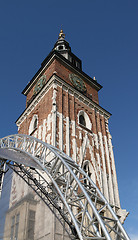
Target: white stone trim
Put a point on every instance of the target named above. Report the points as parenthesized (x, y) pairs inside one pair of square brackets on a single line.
[(95, 138), (116, 192), (44, 130), (54, 114), (74, 144), (67, 136), (60, 131), (105, 185), (110, 185)]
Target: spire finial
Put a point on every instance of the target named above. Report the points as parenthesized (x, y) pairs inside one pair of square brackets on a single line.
[(61, 34)]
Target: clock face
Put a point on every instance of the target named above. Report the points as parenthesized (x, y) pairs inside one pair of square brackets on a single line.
[(77, 82), (41, 82)]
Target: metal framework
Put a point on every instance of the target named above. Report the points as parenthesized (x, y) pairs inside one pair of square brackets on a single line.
[(2, 172), (62, 183)]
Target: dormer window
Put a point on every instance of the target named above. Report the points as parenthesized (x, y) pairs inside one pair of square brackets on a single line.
[(33, 125)]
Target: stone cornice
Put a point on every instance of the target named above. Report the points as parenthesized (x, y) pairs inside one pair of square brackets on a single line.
[(55, 79)]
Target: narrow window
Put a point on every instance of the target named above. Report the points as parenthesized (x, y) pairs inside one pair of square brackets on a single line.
[(12, 227), (17, 226), (31, 224), (82, 120)]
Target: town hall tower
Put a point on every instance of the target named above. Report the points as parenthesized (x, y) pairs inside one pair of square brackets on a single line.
[(62, 109)]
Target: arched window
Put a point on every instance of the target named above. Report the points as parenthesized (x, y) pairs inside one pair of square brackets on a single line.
[(84, 120), (33, 124)]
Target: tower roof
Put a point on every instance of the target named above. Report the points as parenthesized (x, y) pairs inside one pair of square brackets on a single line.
[(62, 50)]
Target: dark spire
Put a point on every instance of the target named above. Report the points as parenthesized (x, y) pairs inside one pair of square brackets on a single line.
[(63, 47)]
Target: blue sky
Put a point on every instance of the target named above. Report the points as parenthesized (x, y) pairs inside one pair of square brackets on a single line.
[(104, 35)]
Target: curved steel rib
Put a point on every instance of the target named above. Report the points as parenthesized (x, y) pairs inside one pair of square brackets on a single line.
[(61, 182)]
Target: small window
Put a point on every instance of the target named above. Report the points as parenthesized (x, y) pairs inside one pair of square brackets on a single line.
[(31, 224), (60, 47)]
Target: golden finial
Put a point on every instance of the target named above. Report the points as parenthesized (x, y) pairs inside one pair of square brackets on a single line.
[(61, 34)]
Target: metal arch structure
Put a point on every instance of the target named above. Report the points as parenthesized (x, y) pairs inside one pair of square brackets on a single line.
[(62, 183)]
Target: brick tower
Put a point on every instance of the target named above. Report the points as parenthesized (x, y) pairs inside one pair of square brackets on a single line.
[(62, 109)]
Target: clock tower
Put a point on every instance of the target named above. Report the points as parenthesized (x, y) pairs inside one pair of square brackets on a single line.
[(62, 109)]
